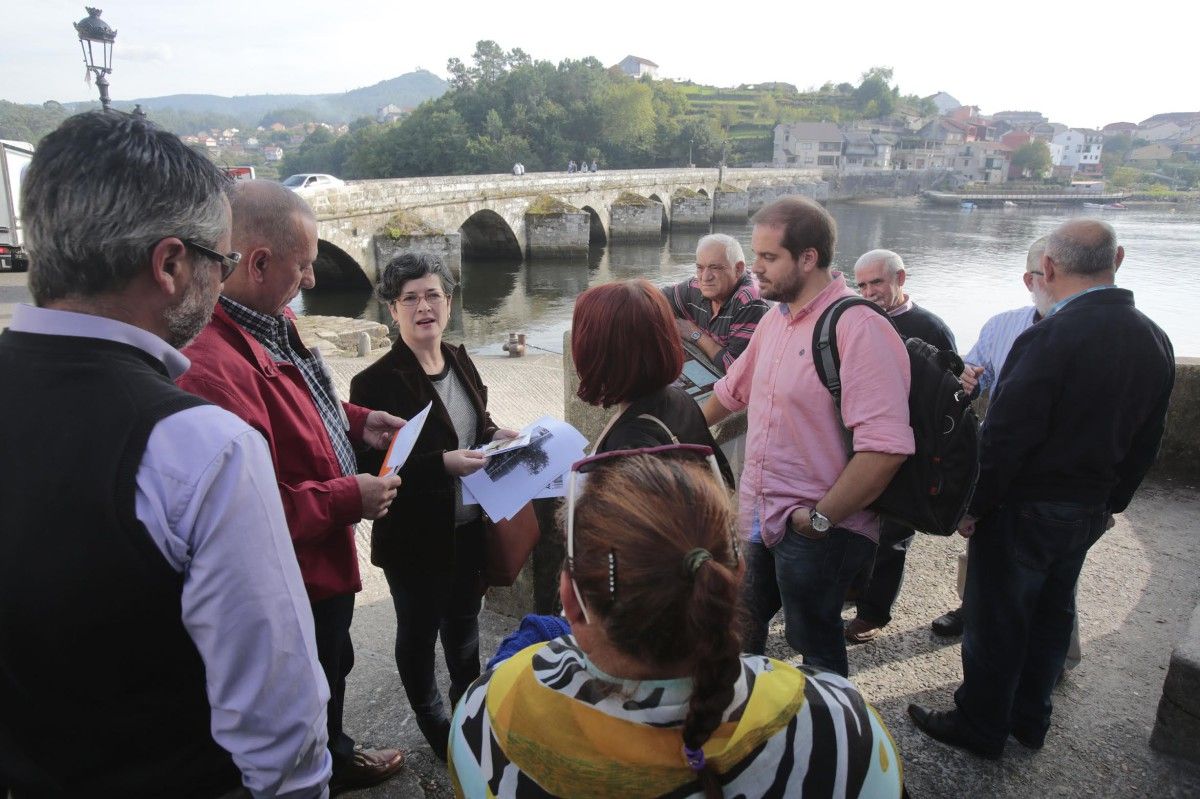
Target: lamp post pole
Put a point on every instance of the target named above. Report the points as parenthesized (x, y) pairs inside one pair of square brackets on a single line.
[(96, 40), (690, 152)]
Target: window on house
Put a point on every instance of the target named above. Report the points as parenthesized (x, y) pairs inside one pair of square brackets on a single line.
[(827, 160)]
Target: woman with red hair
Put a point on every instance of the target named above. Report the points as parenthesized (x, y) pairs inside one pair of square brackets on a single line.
[(627, 355)]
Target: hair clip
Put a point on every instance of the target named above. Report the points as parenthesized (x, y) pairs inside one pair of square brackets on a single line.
[(612, 574)]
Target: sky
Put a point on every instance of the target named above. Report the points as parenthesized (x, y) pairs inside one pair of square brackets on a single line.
[(1079, 64)]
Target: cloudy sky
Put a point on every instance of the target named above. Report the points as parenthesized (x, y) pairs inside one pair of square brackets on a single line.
[(1077, 63)]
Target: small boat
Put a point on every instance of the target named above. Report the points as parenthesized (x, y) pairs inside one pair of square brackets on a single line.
[(1093, 205), (1115, 207), (967, 206), (1009, 204)]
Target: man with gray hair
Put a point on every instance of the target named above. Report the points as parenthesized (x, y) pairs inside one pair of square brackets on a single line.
[(1073, 426), (983, 366), (880, 277), (719, 308), (155, 639), (250, 360)]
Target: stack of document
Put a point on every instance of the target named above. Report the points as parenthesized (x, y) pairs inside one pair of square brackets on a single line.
[(530, 466)]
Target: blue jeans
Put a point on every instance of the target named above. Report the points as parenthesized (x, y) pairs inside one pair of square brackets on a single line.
[(1019, 606), (812, 576)]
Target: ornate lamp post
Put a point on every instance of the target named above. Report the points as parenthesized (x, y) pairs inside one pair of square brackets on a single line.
[(96, 40)]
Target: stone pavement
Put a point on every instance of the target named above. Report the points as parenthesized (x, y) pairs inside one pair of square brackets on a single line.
[(1137, 592)]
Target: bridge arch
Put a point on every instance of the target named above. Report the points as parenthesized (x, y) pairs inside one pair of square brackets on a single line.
[(486, 236), (666, 220), (336, 269), (702, 190), (596, 233)]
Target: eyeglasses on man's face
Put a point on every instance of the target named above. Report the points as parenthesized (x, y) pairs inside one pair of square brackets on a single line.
[(412, 300), (695, 452), (228, 262)]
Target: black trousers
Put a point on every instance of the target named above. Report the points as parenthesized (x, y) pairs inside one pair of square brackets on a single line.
[(431, 604), (881, 586), (335, 652)]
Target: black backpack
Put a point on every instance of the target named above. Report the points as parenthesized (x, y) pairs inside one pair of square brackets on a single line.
[(933, 488)]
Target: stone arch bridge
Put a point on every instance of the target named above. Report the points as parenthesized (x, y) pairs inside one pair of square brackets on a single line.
[(364, 224)]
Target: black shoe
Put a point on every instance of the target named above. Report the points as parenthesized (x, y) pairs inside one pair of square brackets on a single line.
[(946, 726), (949, 624), (1034, 741)]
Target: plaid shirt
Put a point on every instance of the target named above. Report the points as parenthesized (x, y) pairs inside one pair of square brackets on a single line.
[(275, 333), (732, 325)]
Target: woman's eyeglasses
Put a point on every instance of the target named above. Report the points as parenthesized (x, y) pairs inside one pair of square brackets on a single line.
[(433, 298), (684, 451)]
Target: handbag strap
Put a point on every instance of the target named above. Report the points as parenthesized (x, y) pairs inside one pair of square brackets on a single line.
[(660, 423), (649, 417)]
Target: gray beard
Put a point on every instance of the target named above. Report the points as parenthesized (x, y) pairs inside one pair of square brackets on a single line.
[(188, 317)]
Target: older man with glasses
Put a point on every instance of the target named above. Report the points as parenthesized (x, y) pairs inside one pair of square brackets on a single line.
[(155, 639), (251, 361)]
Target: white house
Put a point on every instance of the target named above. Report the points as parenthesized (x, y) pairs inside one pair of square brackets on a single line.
[(808, 144), (636, 67), (273, 153), (1081, 149)]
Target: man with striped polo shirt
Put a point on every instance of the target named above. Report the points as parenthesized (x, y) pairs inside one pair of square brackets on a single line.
[(719, 308)]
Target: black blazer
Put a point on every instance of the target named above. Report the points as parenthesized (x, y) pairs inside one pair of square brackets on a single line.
[(417, 533)]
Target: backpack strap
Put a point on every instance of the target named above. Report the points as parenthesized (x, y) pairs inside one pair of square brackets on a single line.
[(827, 359)]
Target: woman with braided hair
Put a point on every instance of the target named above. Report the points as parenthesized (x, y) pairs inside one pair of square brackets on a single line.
[(649, 697)]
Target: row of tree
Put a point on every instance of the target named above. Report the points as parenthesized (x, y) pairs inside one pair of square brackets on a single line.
[(504, 107)]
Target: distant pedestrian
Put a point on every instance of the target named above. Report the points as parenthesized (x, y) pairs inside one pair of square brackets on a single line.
[(155, 639), (594, 167), (1074, 424), (571, 167)]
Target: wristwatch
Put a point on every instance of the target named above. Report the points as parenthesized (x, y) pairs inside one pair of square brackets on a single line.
[(695, 336), (819, 521)]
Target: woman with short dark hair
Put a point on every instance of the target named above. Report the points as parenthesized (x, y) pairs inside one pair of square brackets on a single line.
[(627, 354), (429, 545)]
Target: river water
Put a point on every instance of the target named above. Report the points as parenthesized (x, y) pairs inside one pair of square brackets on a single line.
[(963, 266)]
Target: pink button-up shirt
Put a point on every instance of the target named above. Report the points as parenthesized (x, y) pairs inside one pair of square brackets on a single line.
[(795, 448)]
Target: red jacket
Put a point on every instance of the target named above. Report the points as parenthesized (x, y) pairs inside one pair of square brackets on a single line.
[(231, 369)]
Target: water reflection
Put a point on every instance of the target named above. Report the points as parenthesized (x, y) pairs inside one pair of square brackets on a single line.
[(963, 266)]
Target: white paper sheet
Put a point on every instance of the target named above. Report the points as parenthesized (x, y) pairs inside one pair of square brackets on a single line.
[(514, 478), (404, 441)]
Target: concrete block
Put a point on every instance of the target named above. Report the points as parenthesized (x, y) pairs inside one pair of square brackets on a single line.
[(1177, 726), (446, 246), (691, 211), (1179, 454), (642, 221), (730, 206), (561, 234)]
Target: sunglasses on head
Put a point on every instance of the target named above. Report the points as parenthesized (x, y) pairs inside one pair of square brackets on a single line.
[(695, 452)]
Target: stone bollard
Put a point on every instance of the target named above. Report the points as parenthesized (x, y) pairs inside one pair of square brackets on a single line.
[(1177, 724), (364, 344), (515, 346)]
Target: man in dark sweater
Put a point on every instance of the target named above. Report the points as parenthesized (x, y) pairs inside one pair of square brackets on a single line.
[(1074, 424), (880, 276)]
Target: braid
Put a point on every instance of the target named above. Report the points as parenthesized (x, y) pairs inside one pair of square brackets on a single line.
[(717, 648)]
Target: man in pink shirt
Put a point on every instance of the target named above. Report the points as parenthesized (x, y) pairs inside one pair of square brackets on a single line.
[(803, 496)]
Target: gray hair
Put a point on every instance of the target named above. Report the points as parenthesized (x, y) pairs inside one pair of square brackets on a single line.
[(891, 261), (733, 250), (1033, 261), (102, 190), (1083, 247), (261, 211), (412, 266)]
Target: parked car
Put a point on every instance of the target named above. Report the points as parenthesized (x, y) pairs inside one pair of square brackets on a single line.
[(312, 181)]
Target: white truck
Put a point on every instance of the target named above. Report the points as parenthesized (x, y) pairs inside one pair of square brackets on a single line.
[(14, 159)]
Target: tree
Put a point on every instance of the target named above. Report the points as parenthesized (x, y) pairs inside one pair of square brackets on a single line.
[(874, 97), (1032, 159)]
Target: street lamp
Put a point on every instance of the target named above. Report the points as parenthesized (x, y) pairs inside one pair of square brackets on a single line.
[(96, 40), (690, 164)]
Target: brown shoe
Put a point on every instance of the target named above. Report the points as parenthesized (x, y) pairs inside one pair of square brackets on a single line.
[(859, 631), (369, 767)]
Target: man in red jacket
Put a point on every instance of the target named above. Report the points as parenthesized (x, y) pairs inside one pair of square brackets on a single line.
[(250, 361)]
